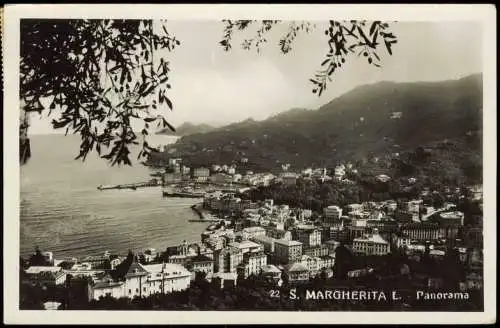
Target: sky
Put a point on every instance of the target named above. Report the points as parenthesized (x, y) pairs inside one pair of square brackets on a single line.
[(216, 87)]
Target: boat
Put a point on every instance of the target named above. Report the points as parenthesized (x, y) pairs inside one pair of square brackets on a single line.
[(101, 187), (183, 194)]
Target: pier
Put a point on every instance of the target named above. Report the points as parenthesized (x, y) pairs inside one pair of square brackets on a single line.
[(201, 214), (132, 186)]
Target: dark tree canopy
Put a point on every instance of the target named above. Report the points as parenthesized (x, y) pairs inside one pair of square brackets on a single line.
[(100, 75)]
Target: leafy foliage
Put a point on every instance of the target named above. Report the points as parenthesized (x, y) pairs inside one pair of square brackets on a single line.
[(99, 75), (344, 38)]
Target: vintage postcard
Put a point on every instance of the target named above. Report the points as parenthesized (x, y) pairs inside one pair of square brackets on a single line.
[(249, 164)]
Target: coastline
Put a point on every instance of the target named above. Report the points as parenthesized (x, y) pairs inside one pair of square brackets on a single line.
[(202, 215)]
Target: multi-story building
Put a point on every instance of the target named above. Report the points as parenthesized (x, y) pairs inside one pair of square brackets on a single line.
[(201, 174), (287, 251), (341, 235), (252, 263), (226, 203), (136, 284), (215, 242), (297, 273), (309, 236), (221, 178), (400, 241), (316, 251), (174, 161), (142, 281), (249, 233), (172, 178), (332, 246), (278, 233), (356, 231), (289, 178), (247, 246), (326, 261), (96, 262), (227, 259), (427, 231), (266, 242), (185, 171), (271, 272), (201, 263), (44, 276), (371, 245), (332, 213), (183, 249), (311, 263), (106, 286), (405, 216), (166, 278)]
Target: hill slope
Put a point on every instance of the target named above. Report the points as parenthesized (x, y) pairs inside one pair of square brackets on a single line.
[(384, 117), (187, 129)]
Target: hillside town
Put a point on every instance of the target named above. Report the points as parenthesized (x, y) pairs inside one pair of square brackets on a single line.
[(285, 245)]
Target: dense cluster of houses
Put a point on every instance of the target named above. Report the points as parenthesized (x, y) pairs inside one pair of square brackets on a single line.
[(280, 243), (176, 173)]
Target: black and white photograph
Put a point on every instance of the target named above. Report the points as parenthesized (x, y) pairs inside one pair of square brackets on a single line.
[(221, 162)]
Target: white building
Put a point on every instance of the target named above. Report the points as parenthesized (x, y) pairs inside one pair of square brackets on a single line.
[(311, 263), (252, 263), (249, 233), (45, 275), (401, 241), (339, 171), (332, 213), (266, 242), (371, 245), (247, 246), (287, 251), (452, 218), (166, 278), (142, 281)]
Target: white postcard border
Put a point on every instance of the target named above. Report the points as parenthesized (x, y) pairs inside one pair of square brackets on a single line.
[(486, 14)]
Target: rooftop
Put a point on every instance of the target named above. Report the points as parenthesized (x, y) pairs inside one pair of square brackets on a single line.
[(375, 238), (288, 242), (136, 269), (253, 229), (225, 275), (244, 244), (452, 215), (169, 269), (297, 267), (107, 283), (201, 258), (270, 268), (40, 269), (263, 239)]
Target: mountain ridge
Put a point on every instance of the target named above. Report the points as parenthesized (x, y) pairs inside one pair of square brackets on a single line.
[(384, 117), (187, 128)]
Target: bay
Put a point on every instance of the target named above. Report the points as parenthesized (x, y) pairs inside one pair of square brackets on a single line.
[(62, 211)]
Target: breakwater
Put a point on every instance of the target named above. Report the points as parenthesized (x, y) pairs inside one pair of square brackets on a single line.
[(133, 186), (201, 213)]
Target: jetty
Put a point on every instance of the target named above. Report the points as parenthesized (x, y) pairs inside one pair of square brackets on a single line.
[(133, 186), (203, 217)]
